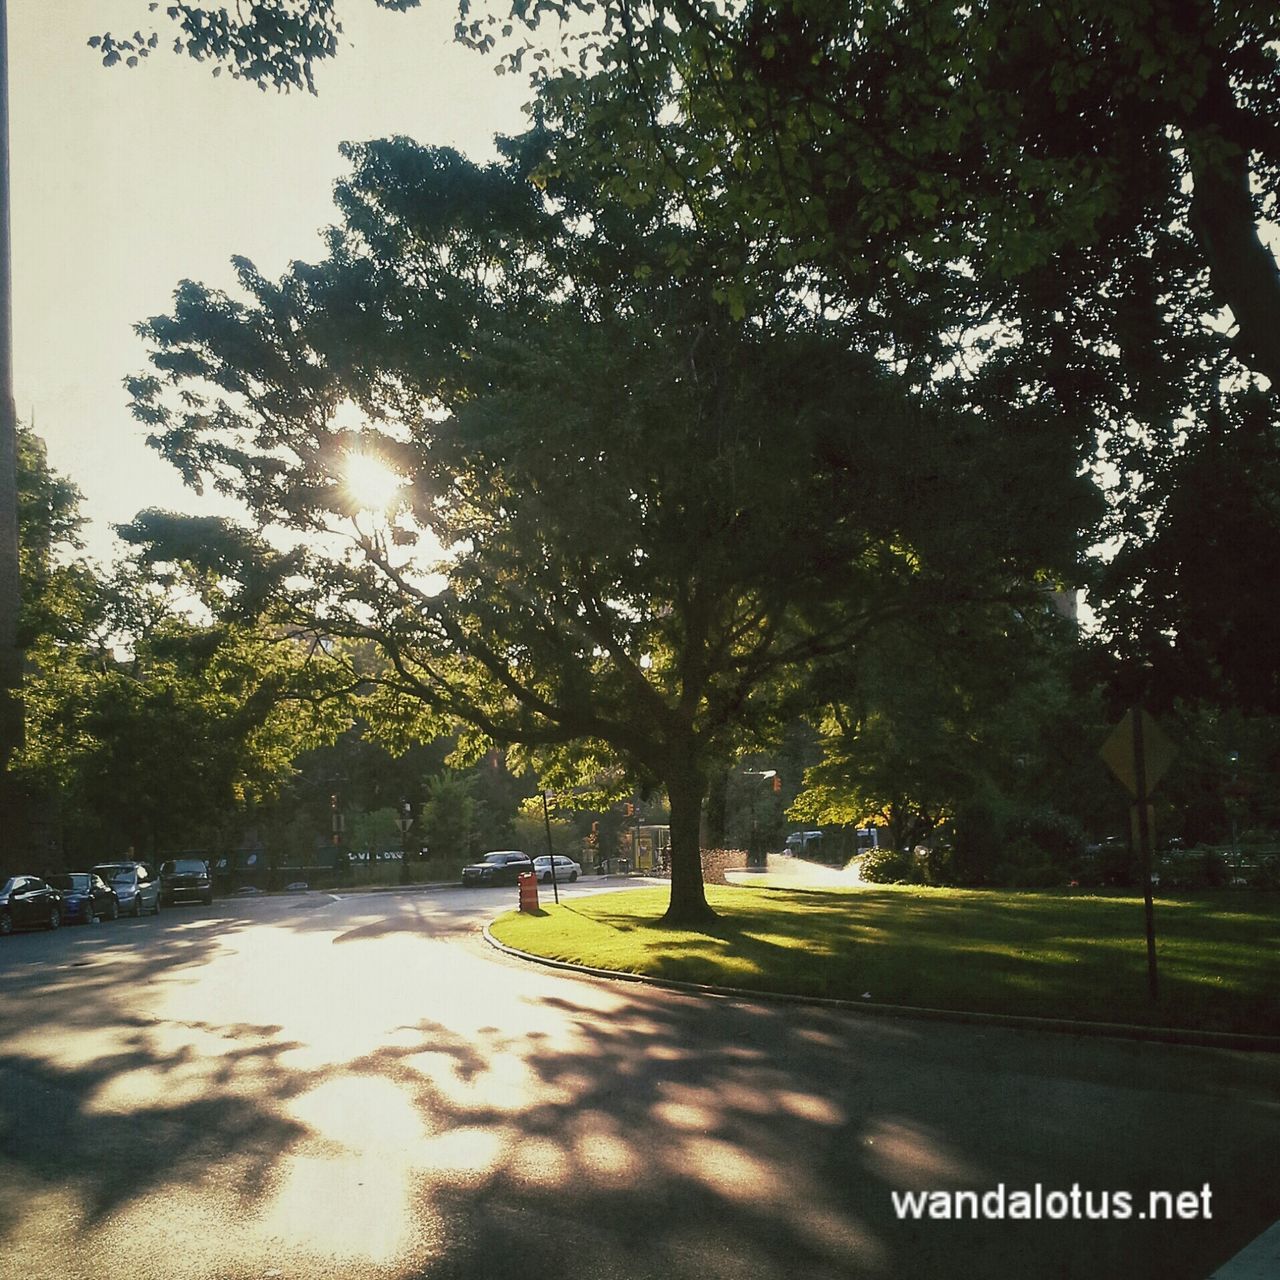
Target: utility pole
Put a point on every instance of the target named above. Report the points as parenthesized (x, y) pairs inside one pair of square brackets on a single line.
[(11, 727)]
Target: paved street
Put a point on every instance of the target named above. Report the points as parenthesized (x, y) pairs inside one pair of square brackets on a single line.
[(360, 1087)]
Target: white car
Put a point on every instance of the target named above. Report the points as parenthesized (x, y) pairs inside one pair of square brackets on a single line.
[(566, 869)]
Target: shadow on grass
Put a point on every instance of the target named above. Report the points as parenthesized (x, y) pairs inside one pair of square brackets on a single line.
[(1050, 955)]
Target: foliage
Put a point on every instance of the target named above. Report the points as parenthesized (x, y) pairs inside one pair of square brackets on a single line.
[(448, 816), (757, 497), (374, 831), (148, 727), (531, 832), (968, 724)]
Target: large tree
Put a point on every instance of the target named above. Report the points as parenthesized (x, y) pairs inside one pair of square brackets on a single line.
[(1063, 205), (653, 512)]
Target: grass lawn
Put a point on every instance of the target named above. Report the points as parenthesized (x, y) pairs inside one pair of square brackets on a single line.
[(1064, 954)]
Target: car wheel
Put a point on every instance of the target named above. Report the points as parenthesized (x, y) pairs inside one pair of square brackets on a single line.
[(89, 914), (573, 875), (137, 906), (155, 909), (546, 877), (207, 900), (6, 924), (55, 917), (113, 911)]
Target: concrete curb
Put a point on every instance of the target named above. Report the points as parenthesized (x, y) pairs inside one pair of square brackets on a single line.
[(1062, 1026)]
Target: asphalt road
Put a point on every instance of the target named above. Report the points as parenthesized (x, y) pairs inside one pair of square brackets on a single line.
[(359, 1087)]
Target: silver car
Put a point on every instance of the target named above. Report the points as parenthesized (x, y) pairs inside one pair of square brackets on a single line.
[(136, 886), (566, 869)]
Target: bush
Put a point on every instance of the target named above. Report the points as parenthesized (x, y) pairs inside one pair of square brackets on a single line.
[(1043, 876), (977, 836), (1266, 875), (715, 862), (1213, 869), (934, 864), (887, 866), (1058, 837)]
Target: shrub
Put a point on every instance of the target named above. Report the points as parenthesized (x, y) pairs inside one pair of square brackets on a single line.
[(977, 834), (1058, 837), (715, 862), (1043, 876), (888, 866), (1213, 869), (1266, 875)]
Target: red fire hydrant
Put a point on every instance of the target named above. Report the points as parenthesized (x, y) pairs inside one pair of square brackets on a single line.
[(528, 883)]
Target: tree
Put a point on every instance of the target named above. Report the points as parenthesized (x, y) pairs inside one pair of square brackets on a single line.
[(654, 513), (149, 726), (1045, 207), (923, 729), (449, 816)]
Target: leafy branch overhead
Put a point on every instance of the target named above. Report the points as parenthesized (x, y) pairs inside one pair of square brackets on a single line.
[(624, 516)]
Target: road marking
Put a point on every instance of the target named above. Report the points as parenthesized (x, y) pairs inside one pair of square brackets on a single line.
[(1257, 1261)]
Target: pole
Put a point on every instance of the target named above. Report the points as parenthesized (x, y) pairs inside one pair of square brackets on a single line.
[(1144, 841), (11, 713), (551, 853)]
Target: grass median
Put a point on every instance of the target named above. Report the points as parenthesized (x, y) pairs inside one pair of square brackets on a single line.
[(1051, 955)]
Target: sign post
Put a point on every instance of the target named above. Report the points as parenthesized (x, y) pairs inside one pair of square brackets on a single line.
[(1138, 753)]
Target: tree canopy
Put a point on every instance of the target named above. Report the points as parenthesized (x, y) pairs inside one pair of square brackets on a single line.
[(1067, 210), (627, 516)]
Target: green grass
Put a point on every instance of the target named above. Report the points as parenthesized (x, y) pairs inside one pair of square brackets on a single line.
[(1051, 955)]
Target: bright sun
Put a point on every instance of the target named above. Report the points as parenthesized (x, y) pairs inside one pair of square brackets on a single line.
[(371, 484)]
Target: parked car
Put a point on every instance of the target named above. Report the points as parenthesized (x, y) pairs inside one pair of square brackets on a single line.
[(502, 866), (135, 884), (566, 868), (27, 902), (185, 878), (85, 897)]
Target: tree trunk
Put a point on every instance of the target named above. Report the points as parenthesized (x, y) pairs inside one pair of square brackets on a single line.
[(688, 908), (1242, 268)]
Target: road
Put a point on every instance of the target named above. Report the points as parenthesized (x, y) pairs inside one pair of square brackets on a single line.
[(359, 1087)]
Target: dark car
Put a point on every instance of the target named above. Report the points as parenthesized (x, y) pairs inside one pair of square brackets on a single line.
[(134, 884), (185, 880), (27, 902), (500, 867), (85, 897)]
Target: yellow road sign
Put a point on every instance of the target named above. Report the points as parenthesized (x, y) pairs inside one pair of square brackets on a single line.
[(1119, 753)]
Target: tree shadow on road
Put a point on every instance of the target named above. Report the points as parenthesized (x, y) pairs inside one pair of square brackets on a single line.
[(526, 1123)]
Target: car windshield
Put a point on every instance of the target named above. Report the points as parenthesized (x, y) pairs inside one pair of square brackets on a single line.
[(184, 867), (500, 858), (76, 883), (117, 875), (8, 884)]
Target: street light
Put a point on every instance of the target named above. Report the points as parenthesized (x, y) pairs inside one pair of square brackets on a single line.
[(765, 775)]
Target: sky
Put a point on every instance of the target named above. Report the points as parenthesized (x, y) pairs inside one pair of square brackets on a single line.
[(127, 181)]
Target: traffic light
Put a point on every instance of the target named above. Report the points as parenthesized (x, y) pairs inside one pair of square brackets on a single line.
[(777, 784), (630, 809)]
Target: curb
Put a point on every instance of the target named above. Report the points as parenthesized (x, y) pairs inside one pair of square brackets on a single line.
[(1009, 1021)]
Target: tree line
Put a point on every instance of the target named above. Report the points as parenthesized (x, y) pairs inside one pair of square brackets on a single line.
[(779, 369)]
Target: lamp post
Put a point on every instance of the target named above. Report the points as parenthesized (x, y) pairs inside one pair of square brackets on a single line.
[(765, 775), (404, 821), (1233, 803), (551, 853)]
